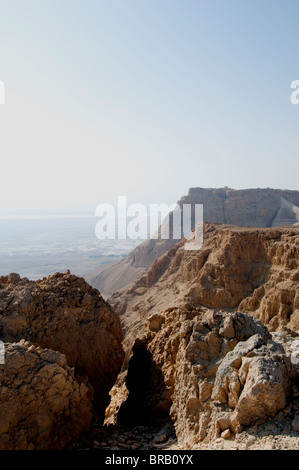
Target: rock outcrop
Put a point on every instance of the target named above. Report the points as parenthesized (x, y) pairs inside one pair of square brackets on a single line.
[(247, 207), (63, 352), (63, 313), (258, 207), (253, 270), (42, 405), (217, 336), (212, 373)]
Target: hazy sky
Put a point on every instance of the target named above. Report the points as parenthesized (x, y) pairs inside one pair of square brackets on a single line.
[(145, 98)]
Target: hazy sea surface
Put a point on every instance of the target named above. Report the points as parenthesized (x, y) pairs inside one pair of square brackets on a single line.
[(35, 248)]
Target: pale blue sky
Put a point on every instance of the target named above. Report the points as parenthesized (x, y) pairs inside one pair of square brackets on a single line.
[(145, 98)]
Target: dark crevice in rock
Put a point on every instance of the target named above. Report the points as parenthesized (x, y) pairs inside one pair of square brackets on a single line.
[(145, 382)]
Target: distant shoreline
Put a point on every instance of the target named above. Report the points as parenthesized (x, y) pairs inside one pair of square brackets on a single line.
[(36, 248)]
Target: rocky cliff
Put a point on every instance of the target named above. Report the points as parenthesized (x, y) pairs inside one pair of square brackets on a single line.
[(249, 207), (255, 270), (213, 373), (217, 337), (76, 338)]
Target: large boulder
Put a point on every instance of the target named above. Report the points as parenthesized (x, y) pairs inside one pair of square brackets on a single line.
[(42, 405), (63, 313)]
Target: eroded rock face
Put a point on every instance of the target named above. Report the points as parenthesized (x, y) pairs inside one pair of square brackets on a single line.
[(211, 372), (42, 405), (252, 270), (260, 207), (63, 313)]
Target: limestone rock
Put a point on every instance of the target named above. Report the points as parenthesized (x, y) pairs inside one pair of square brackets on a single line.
[(253, 380), (155, 322), (42, 405), (208, 381), (63, 313), (226, 434), (253, 270)]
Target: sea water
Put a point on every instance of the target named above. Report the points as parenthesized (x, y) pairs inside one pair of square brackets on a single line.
[(38, 247)]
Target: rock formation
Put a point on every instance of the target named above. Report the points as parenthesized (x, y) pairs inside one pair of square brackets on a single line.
[(63, 313), (76, 348), (201, 361), (248, 207), (42, 405), (213, 373), (250, 269)]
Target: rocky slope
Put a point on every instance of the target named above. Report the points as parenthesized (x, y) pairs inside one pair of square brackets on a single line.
[(204, 356), (253, 270), (212, 350), (76, 338), (213, 373), (249, 207)]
